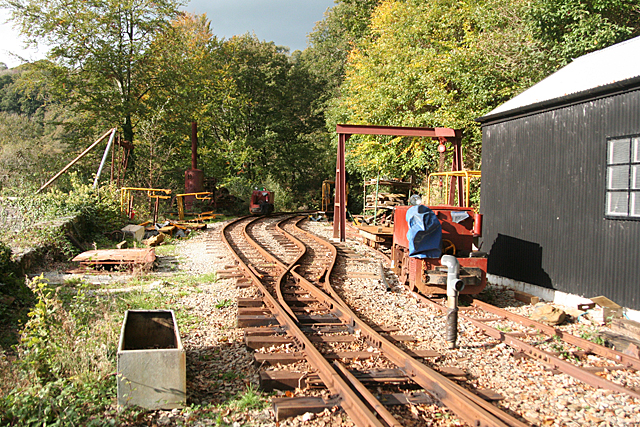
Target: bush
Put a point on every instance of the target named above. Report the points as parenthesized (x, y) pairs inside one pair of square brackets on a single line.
[(95, 211), (6, 266), (66, 360)]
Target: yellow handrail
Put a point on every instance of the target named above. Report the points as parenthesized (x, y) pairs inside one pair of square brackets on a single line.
[(203, 195), (153, 193), (467, 175)]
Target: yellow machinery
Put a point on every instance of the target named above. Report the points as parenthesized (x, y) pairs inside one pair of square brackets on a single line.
[(467, 177), (203, 195), (327, 196), (126, 199)]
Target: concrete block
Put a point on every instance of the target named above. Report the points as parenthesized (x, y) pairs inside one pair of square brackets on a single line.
[(151, 361), (137, 231)]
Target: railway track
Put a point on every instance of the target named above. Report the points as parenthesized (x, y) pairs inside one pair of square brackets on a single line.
[(556, 350), (302, 317)]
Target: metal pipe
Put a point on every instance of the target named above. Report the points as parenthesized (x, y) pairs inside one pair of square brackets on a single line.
[(194, 145), (375, 201), (454, 286), (74, 161), (477, 225), (104, 159)]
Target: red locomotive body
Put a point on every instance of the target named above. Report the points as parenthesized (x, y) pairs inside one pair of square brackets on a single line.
[(427, 274), (261, 202)]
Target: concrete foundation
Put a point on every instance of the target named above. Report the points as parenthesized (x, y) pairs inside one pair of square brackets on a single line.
[(151, 361), (552, 295)]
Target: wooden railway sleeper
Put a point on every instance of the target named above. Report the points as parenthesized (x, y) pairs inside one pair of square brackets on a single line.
[(465, 404), (564, 366)]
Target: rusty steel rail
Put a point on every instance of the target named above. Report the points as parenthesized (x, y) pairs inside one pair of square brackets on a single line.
[(600, 350), (536, 353), (352, 405), (466, 405), (567, 367)]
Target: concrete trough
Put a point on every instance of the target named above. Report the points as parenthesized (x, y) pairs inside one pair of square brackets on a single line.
[(151, 361)]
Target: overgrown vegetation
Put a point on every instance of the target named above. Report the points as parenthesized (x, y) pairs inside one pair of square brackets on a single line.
[(39, 219), (62, 369)]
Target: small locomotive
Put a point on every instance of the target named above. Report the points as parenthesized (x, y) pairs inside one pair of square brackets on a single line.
[(261, 202), (425, 272)]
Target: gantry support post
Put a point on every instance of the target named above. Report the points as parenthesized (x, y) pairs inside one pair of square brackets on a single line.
[(340, 205)]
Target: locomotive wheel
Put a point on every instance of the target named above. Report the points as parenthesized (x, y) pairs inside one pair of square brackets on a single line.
[(448, 248)]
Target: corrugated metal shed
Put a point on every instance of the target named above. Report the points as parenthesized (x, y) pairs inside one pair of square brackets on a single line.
[(597, 72), (544, 179)]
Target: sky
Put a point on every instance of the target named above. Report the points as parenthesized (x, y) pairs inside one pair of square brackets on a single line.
[(285, 22)]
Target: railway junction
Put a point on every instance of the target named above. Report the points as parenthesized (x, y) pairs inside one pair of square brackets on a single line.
[(325, 328)]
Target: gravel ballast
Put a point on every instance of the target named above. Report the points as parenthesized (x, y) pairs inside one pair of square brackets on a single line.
[(219, 366)]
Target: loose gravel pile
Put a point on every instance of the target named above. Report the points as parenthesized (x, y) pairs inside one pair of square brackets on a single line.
[(219, 366)]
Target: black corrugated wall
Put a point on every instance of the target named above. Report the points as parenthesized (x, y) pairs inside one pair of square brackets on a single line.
[(543, 200)]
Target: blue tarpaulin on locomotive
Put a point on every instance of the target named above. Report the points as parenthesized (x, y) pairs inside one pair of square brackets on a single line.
[(425, 232)]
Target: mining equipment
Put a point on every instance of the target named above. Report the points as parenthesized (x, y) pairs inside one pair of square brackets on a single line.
[(422, 234), (261, 202)]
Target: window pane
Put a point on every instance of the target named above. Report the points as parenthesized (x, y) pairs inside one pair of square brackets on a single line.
[(635, 203), (619, 150), (617, 203), (618, 178), (635, 177), (636, 149)]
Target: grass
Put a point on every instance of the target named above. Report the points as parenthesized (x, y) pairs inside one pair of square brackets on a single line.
[(591, 334), (251, 398), (224, 303), (169, 248), (504, 329), (59, 369)]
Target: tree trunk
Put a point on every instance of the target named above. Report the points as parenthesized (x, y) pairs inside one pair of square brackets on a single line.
[(127, 133)]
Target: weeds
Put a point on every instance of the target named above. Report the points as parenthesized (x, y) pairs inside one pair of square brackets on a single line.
[(591, 334), (250, 399), (224, 303), (63, 370), (189, 280), (95, 212), (65, 356), (504, 329)]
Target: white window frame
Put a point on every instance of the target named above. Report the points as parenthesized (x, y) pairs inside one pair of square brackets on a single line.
[(622, 186)]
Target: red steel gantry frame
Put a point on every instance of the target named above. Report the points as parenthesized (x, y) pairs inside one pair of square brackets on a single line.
[(345, 131)]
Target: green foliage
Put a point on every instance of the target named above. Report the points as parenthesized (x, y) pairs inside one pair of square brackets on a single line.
[(569, 29), (5, 261), (333, 38), (66, 355), (94, 212), (430, 64), (23, 91), (100, 51), (58, 403), (250, 399), (262, 112), (591, 334), (30, 137), (224, 303)]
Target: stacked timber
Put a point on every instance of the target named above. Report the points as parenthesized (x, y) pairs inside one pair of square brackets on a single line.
[(384, 217), (387, 199)]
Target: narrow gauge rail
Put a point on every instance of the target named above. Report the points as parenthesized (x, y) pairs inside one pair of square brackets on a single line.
[(486, 317), (276, 278), (531, 332)]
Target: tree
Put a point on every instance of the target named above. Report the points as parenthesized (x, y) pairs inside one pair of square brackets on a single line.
[(333, 38), (435, 63), (569, 29), (191, 87), (100, 51)]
